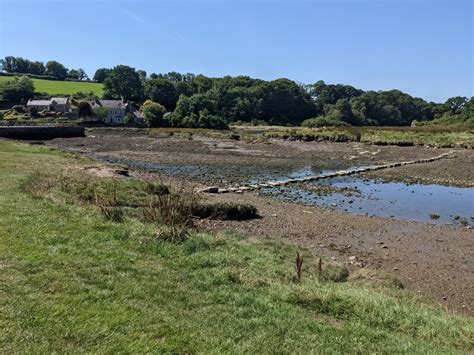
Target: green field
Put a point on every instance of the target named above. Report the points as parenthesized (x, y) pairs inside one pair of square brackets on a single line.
[(56, 87), (74, 282)]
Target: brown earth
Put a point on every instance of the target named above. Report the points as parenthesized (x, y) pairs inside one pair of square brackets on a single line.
[(435, 260)]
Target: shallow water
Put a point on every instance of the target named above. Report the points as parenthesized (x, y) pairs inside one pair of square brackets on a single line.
[(415, 202)]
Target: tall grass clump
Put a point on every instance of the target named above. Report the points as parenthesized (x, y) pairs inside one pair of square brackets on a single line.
[(174, 212)]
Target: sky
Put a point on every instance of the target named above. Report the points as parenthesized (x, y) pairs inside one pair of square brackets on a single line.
[(424, 48)]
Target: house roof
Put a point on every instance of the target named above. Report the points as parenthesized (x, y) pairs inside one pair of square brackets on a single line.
[(112, 103), (38, 103), (60, 100)]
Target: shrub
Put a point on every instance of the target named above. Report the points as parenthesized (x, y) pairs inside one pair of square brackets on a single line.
[(19, 108), (84, 109), (33, 112), (100, 112), (334, 272), (153, 114), (322, 121), (173, 212), (109, 206), (225, 210)]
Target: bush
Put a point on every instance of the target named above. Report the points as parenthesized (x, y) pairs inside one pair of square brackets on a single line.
[(33, 112), (322, 121), (84, 109), (225, 210), (100, 112), (153, 114), (19, 108), (334, 272)]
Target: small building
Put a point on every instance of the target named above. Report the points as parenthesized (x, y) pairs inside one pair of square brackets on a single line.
[(57, 104), (117, 109)]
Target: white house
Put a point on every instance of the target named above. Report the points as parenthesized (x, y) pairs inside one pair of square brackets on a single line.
[(116, 110)]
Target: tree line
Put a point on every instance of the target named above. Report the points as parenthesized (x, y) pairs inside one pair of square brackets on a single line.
[(52, 69), (199, 101)]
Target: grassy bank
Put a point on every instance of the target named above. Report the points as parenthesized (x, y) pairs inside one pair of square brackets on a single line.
[(57, 87), (403, 136), (73, 281)]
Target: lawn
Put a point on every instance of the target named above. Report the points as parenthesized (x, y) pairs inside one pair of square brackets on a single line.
[(74, 282), (56, 87)]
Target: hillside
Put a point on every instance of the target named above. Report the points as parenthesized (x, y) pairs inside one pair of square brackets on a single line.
[(55, 87), (76, 282)]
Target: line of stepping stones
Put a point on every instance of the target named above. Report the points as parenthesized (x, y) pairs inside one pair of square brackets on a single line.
[(252, 187)]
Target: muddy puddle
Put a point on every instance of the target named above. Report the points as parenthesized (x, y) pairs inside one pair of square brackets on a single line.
[(429, 203)]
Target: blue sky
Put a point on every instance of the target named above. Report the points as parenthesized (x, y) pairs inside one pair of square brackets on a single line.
[(422, 47)]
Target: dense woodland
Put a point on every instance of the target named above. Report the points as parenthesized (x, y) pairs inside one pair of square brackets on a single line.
[(200, 101)]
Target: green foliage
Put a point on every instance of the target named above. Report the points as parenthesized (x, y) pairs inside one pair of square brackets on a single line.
[(84, 109), (194, 112), (16, 90), (225, 210), (162, 91), (77, 74), (153, 114), (101, 74), (56, 69), (327, 121), (19, 65), (100, 112), (123, 82)]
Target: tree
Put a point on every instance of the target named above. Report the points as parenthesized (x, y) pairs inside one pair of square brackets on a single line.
[(77, 74), (17, 90), (142, 75), (100, 113), (56, 69), (84, 109), (161, 90), (285, 102), (101, 74), (153, 114), (123, 82)]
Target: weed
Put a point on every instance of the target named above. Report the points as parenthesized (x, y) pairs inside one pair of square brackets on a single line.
[(109, 205), (299, 266)]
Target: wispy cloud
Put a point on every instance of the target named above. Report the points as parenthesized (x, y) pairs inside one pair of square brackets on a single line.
[(133, 16)]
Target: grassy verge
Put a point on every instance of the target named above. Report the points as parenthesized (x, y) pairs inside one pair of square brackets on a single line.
[(403, 136), (57, 87), (73, 281)]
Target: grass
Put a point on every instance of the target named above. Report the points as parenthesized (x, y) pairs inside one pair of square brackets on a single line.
[(56, 87), (443, 136), (74, 282)]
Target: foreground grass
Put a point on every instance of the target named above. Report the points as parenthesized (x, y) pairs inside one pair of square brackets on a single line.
[(73, 282), (56, 87)]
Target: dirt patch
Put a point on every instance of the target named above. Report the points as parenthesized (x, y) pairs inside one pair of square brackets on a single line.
[(435, 261)]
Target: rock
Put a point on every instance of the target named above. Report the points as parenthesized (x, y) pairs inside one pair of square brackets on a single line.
[(434, 216), (209, 190), (353, 257)]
